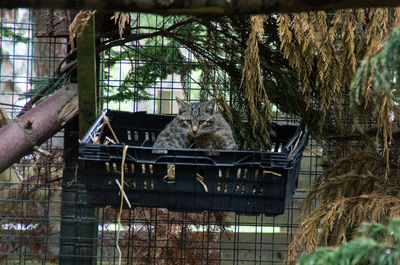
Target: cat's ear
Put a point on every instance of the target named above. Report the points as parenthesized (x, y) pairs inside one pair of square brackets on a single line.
[(209, 106), (182, 105)]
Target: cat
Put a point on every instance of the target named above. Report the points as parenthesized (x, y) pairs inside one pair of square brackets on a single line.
[(198, 125)]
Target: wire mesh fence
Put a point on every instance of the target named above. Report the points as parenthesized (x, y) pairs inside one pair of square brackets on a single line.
[(30, 189), (145, 74)]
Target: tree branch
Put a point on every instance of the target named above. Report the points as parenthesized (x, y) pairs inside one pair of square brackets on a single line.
[(201, 7), (135, 37), (19, 137)]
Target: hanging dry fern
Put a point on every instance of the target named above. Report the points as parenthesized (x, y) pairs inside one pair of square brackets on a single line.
[(325, 48), (353, 191), (78, 24), (122, 19), (252, 80), (360, 187), (338, 216)]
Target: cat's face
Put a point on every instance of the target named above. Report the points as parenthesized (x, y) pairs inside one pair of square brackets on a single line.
[(197, 117)]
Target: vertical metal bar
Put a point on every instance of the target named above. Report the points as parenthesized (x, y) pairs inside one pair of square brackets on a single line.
[(79, 222)]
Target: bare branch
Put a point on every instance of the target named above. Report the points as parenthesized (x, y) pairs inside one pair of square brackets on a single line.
[(135, 37), (21, 136)]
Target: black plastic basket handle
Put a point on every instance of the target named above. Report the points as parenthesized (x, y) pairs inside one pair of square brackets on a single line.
[(90, 133), (292, 141)]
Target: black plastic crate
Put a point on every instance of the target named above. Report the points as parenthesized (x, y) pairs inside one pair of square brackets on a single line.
[(248, 182)]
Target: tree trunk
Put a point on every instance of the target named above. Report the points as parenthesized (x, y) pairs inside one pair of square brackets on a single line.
[(202, 7), (19, 137)]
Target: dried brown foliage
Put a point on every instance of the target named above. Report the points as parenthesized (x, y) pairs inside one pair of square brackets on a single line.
[(353, 191), (252, 80), (28, 200), (123, 19), (164, 237), (325, 49), (78, 24)]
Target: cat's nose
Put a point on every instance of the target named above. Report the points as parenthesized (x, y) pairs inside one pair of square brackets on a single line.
[(194, 129)]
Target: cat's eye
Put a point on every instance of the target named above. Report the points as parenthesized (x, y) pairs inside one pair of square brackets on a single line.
[(203, 122), (188, 122)]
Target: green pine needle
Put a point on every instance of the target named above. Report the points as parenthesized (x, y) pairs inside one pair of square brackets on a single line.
[(377, 245)]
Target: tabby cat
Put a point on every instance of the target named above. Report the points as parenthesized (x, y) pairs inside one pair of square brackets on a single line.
[(197, 125)]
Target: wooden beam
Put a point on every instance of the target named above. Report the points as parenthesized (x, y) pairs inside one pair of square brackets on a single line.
[(202, 7), (86, 52)]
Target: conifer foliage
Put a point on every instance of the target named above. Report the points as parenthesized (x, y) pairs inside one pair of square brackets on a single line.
[(324, 48), (360, 182), (376, 86), (376, 244)]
